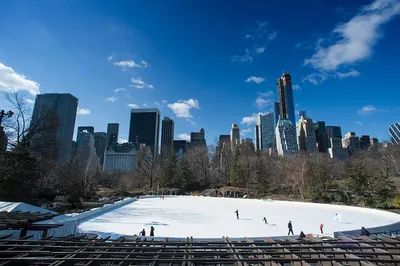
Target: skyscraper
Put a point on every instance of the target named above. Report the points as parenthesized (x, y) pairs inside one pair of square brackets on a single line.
[(365, 142), (167, 136), (285, 133), (351, 142), (64, 107), (145, 128), (100, 143), (321, 136), (394, 132), (86, 152), (81, 131), (180, 148), (257, 138), (112, 134), (276, 113), (235, 136), (333, 132), (197, 139), (306, 134), (285, 96)]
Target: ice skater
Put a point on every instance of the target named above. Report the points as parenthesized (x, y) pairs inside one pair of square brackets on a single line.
[(336, 218), (142, 233), (290, 226), (265, 220), (237, 214), (152, 231), (321, 228)]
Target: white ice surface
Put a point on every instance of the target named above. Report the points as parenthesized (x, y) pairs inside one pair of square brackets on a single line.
[(206, 217)]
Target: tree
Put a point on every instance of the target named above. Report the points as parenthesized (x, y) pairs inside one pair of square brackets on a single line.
[(168, 171), (18, 175), (148, 166), (185, 179), (199, 160)]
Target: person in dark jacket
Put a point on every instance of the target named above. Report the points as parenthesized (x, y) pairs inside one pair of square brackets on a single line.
[(302, 235), (152, 231), (237, 214), (364, 232), (143, 233), (265, 220), (290, 226), (321, 227)]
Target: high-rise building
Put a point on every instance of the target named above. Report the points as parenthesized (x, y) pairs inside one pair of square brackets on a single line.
[(394, 132), (285, 96), (285, 138), (257, 138), (365, 142), (285, 132), (87, 152), (145, 128), (121, 157), (351, 142), (321, 136), (100, 143), (306, 134), (167, 136), (112, 134), (333, 132), (336, 150), (374, 142), (64, 107), (235, 136), (180, 148), (82, 130), (197, 139), (224, 138), (276, 113), (265, 134)]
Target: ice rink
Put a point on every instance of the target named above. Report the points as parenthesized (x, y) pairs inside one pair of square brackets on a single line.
[(206, 217)]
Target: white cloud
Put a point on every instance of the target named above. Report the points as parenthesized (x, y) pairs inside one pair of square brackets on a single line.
[(145, 64), (245, 131), (296, 87), (190, 121), (254, 79), (83, 111), (355, 39), (138, 83), (352, 73), (246, 58), (31, 101), (133, 105), (126, 64), (184, 136), (249, 120), (11, 81), (272, 36), (266, 94), (367, 110), (112, 99), (164, 101), (111, 57), (260, 50), (119, 89), (261, 102), (182, 108), (122, 141), (316, 78), (359, 123), (145, 105)]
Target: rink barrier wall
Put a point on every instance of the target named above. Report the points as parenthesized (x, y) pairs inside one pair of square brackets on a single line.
[(385, 229)]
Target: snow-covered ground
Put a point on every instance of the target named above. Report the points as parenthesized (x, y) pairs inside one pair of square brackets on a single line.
[(206, 217)]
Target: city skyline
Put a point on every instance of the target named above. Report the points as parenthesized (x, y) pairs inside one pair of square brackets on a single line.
[(127, 62)]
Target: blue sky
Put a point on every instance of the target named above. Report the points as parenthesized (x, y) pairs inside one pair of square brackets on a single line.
[(207, 63)]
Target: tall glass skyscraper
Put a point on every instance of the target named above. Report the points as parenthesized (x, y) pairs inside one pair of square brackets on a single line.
[(81, 131), (167, 136), (145, 128), (112, 134), (64, 106), (285, 96), (394, 131)]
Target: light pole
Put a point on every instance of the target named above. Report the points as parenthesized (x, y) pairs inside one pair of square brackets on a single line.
[(4, 113)]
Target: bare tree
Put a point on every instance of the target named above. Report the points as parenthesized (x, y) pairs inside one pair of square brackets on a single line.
[(148, 166), (199, 160)]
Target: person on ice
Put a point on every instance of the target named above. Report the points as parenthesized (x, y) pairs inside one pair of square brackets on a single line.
[(364, 232), (302, 236), (290, 226), (142, 233), (152, 231), (321, 227), (237, 214), (265, 220), (336, 218)]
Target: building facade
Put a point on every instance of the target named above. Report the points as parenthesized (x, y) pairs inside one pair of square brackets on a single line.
[(167, 136), (121, 157), (394, 132), (145, 128), (83, 130), (333, 132), (285, 96), (365, 142), (321, 136), (257, 138), (197, 139), (235, 136), (336, 150), (306, 139), (112, 134), (100, 143), (63, 106), (285, 138), (351, 142), (86, 152)]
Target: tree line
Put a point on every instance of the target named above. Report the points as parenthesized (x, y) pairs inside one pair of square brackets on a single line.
[(369, 178)]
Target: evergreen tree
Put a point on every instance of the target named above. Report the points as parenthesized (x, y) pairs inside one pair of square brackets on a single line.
[(235, 172), (185, 179), (168, 171)]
